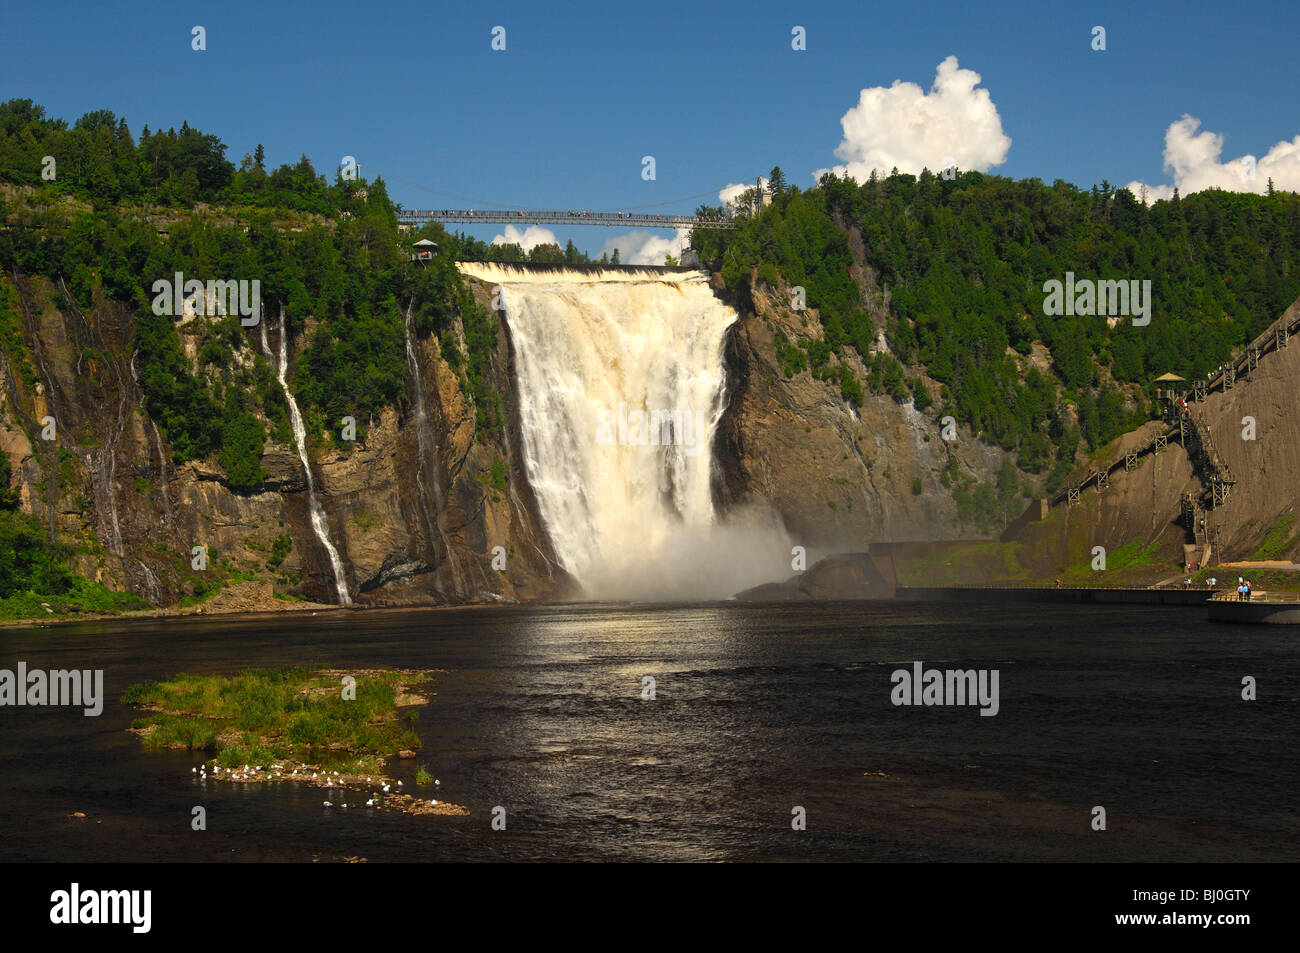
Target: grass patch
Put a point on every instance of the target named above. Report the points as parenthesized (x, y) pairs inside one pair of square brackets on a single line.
[(1131, 555), (495, 478), (1277, 541), (279, 550), (261, 716), (365, 521), (986, 563), (85, 595), (1119, 561), (1261, 580), (202, 593)]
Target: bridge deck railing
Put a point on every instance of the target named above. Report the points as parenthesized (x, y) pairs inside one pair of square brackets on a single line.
[(609, 219)]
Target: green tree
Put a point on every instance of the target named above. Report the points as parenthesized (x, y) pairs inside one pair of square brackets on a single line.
[(8, 496), (776, 182)]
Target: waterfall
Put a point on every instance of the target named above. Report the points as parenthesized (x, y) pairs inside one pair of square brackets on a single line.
[(319, 521), (110, 491), (94, 460), (157, 439), (162, 469), (152, 590), (621, 382)]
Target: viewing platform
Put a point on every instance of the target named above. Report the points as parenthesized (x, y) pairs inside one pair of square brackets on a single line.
[(1263, 608)]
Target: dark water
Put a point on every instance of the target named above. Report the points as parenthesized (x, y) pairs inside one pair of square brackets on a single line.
[(758, 709)]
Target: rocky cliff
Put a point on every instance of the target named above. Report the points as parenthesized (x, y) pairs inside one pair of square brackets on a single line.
[(1254, 428), (839, 476), (409, 527)]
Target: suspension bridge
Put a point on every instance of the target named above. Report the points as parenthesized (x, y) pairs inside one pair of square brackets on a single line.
[(416, 217)]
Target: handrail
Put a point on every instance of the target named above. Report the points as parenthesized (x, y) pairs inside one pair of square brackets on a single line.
[(571, 217)]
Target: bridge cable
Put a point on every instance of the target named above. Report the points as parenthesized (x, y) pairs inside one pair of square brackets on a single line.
[(489, 204)]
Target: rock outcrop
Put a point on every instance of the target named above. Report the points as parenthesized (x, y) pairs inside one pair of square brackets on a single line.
[(847, 576), (839, 477)]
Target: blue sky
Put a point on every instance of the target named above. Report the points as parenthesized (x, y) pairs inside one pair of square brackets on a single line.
[(563, 117)]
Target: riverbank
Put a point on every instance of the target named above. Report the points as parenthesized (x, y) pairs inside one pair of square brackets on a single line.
[(246, 599), (772, 593), (996, 594), (848, 582)]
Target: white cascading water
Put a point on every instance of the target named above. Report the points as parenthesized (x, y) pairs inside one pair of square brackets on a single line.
[(319, 521), (629, 507)]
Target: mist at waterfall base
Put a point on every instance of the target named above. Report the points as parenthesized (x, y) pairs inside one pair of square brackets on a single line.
[(693, 563), (630, 511)]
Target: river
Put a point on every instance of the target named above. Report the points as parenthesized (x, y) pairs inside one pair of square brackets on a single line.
[(758, 710)]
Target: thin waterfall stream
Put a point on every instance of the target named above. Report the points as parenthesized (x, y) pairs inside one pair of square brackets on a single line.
[(319, 520)]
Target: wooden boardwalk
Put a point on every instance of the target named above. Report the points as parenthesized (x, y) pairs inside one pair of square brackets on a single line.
[(1183, 423)]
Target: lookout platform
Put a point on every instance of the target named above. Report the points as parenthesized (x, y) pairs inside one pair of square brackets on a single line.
[(1263, 608)]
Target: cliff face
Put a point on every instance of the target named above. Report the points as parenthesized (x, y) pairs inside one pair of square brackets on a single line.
[(107, 481), (842, 478), (839, 477), (1254, 428)]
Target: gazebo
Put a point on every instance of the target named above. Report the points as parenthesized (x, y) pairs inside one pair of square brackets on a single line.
[(424, 250), (1165, 379)]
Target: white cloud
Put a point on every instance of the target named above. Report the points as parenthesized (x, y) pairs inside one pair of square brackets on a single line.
[(1193, 159), (1154, 192), (528, 239), (647, 248), (905, 127), (729, 193)]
